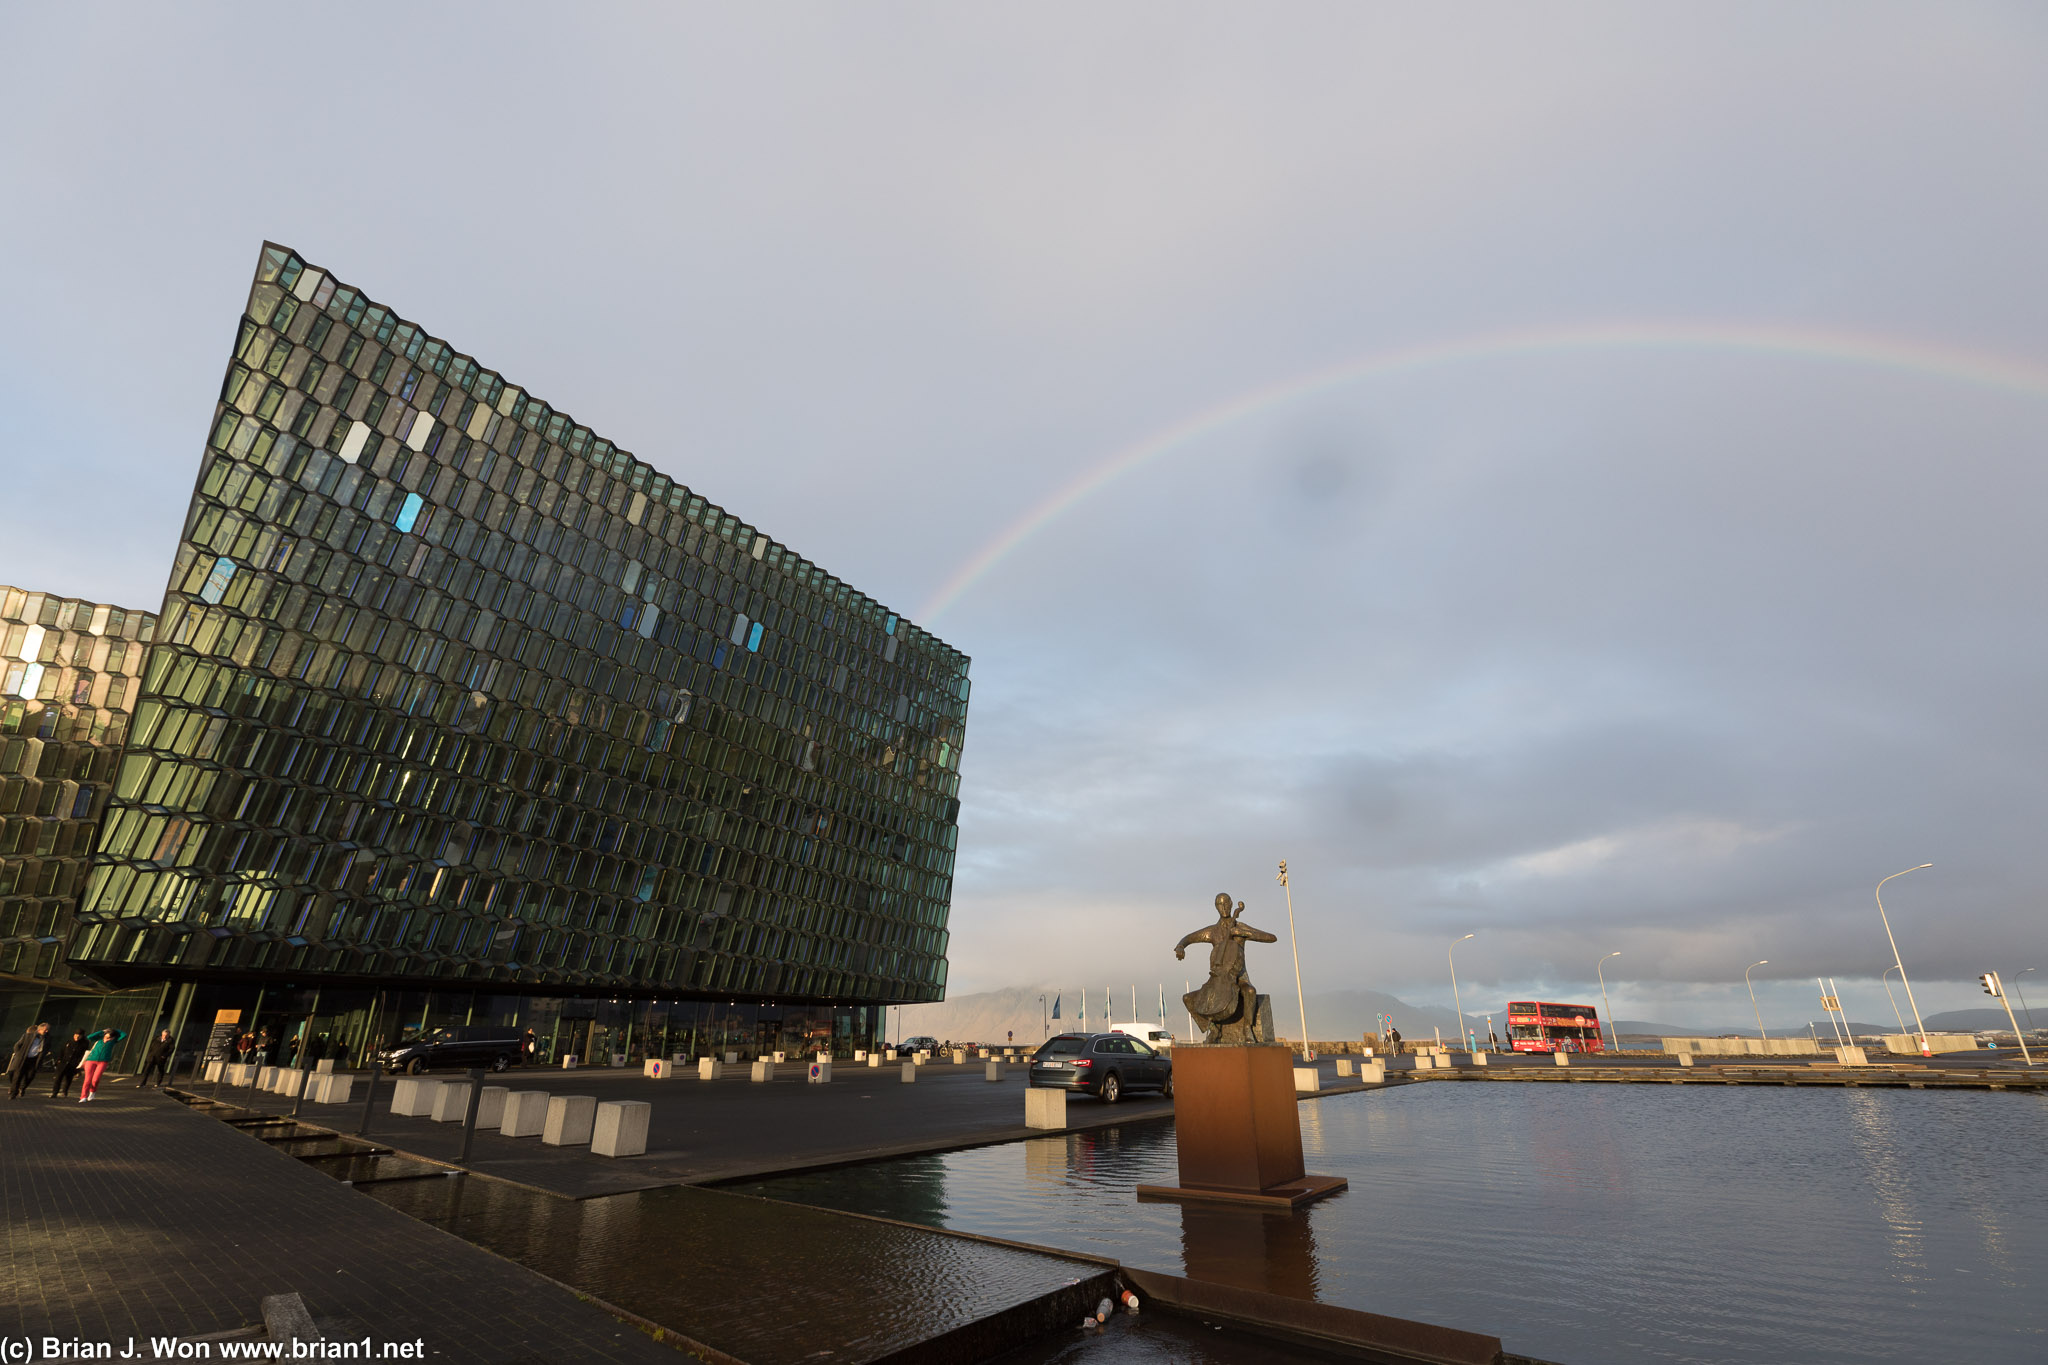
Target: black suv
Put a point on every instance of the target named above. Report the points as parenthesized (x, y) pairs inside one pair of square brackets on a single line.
[(1101, 1064), (459, 1048)]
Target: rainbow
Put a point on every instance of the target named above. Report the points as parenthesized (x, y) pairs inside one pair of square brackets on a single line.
[(1952, 364)]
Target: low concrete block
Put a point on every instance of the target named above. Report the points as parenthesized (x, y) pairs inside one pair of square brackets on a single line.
[(710, 1069), (1307, 1078), (238, 1073), (991, 1070), (289, 1082), (618, 1059), (984, 1054), (412, 1097), (860, 1054), (525, 1114), (651, 1067), (764, 1070), (1045, 1108), (620, 1128), (1561, 1058), (1851, 1056), (451, 1102), (569, 1121), (819, 1073), (1425, 1062), (1372, 1073), (490, 1107), (959, 1056), (213, 1069), (781, 1056), (570, 1062), (874, 1059), (681, 1059), (324, 1067), (1475, 1059), (333, 1088), (658, 1069), (266, 1076), (1685, 1059), (732, 1059), (1346, 1067), (909, 1072)]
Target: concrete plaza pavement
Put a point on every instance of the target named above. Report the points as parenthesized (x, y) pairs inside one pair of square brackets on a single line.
[(135, 1217)]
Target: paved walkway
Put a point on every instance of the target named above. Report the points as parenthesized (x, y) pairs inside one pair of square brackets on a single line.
[(133, 1216), (704, 1132)]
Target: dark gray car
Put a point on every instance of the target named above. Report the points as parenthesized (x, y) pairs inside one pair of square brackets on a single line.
[(457, 1049), (1101, 1064)]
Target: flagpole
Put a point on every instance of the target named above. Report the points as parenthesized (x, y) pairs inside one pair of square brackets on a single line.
[(1295, 943)]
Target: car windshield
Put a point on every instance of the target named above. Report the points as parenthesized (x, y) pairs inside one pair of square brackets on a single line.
[(1069, 1046)]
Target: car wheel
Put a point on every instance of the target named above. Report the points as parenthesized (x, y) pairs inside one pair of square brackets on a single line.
[(1166, 1091), (1112, 1088), (501, 1063), (415, 1067)]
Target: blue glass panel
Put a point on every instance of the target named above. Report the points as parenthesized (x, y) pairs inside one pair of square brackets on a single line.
[(216, 585), (408, 512), (754, 639), (890, 629)]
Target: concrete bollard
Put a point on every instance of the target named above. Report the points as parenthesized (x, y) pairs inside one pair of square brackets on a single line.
[(732, 1059), (330, 1088), (1307, 1078), (1045, 1108), (1345, 1067), (658, 1069), (710, 1069), (266, 1076), (213, 1069), (1685, 1059), (289, 1082), (1475, 1059), (238, 1074), (490, 1106), (781, 1057), (764, 1070), (569, 1121), (959, 1056), (618, 1059), (1372, 1073), (819, 1073), (909, 1072), (992, 1070), (570, 1062), (1424, 1062), (525, 1114), (324, 1067), (680, 1059), (860, 1054), (874, 1059), (620, 1128), (451, 1102), (413, 1097), (984, 1054), (1561, 1058), (920, 1057)]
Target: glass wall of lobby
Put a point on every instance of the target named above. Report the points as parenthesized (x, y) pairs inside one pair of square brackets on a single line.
[(349, 1024)]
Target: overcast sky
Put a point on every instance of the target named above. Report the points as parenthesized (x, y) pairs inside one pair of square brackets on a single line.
[(1671, 640)]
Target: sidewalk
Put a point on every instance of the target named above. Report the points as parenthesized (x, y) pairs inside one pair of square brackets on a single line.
[(133, 1216)]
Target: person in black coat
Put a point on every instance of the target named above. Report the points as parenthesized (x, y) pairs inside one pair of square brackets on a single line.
[(30, 1050), (157, 1062), (69, 1061)]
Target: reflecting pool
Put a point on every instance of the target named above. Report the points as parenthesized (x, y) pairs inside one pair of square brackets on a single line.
[(1582, 1223)]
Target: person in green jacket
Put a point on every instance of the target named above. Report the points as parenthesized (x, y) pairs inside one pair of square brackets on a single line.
[(96, 1060)]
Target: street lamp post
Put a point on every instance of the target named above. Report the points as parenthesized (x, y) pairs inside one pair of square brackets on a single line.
[(1885, 981), (1925, 1051), (1294, 943), (1752, 996), (1601, 968), (1457, 999), (1041, 1019)]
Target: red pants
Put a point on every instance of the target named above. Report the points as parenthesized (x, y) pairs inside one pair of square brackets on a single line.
[(93, 1072)]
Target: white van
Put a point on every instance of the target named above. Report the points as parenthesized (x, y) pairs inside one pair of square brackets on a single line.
[(1151, 1035)]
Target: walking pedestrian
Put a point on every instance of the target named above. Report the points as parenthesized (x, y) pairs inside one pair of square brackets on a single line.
[(96, 1059), (1394, 1038), (27, 1058), (67, 1057), (158, 1061)]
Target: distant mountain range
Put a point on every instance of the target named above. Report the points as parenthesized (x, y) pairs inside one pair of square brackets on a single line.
[(992, 1016)]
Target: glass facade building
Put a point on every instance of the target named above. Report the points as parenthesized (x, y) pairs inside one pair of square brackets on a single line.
[(451, 698)]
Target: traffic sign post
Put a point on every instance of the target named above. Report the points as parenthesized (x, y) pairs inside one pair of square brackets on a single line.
[(1995, 988)]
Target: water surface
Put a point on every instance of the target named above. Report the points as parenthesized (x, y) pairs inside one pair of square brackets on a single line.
[(1581, 1223)]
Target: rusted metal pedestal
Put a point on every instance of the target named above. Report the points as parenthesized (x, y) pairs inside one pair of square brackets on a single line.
[(1235, 1125)]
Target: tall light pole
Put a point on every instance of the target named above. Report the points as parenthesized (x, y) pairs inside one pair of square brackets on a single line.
[(1925, 1051), (2023, 998), (1885, 981), (1295, 943), (1601, 968), (1455, 997), (1752, 996)]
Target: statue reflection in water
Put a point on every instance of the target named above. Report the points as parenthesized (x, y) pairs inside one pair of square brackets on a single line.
[(1250, 1249)]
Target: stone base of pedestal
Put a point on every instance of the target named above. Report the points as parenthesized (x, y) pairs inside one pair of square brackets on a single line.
[(1290, 1195), (1237, 1131)]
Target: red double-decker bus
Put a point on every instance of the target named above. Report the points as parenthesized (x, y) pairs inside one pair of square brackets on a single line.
[(1544, 1026)]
